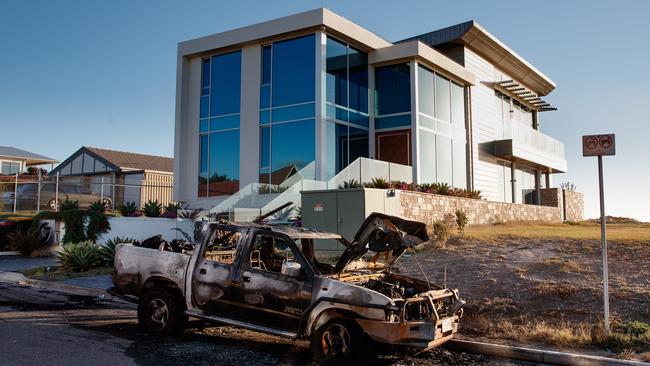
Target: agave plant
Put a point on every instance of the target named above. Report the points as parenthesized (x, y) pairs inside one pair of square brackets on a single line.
[(378, 183), (352, 183), (440, 188), (25, 241), (152, 208), (107, 250), (80, 257), (68, 205), (128, 209), (98, 206)]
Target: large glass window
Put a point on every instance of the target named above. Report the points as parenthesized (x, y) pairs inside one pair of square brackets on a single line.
[(287, 108), (444, 159), (219, 125), (347, 105), (347, 83), (393, 89), (443, 98), (457, 104), (225, 84), (441, 127), (344, 145), (224, 163), (291, 149), (293, 71)]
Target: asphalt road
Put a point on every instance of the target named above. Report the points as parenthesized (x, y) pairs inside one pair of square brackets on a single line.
[(45, 327)]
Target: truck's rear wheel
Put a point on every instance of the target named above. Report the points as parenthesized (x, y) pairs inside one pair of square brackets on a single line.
[(341, 340), (160, 312)]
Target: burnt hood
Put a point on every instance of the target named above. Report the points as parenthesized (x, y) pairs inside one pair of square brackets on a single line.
[(383, 233)]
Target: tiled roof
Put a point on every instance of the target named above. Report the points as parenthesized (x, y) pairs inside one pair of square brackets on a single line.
[(128, 160)]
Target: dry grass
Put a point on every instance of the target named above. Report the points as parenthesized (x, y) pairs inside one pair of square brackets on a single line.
[(628, 232), (566, 334), (554, 289), (565, 265)]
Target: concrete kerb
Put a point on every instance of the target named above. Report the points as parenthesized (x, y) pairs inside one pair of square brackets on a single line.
[(20, 279), (535, 355)]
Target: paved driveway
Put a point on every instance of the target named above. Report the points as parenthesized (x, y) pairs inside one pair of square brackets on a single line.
[(15, 263)]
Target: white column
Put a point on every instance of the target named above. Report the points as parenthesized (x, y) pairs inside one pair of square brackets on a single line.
[(415, 134), (249, 133), (371, 111), (321, 106)]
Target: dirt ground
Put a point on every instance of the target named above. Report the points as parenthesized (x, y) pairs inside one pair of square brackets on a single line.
[(538, 279)]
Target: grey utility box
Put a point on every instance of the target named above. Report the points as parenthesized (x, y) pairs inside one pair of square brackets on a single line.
[(342, 211)]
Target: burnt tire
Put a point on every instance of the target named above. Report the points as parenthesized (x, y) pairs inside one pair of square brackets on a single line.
[(161, 313), (341, 341)]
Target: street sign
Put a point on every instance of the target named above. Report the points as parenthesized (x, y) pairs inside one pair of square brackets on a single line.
[(599, 145), (595, 145)]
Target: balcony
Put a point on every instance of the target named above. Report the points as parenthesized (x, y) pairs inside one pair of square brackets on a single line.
[(524, 144)]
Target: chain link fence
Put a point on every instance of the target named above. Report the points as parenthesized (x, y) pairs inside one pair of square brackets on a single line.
[(32, 193)]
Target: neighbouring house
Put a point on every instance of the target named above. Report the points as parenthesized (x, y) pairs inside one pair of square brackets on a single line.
[(119, 176), (14, 160), (311, 93)]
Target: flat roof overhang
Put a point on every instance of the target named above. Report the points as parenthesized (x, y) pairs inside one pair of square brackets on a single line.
[(520, 153), (425, 55), (506, 59), (310, 20)]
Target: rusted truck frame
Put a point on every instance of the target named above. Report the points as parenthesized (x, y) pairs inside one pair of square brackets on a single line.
[(343, 308)]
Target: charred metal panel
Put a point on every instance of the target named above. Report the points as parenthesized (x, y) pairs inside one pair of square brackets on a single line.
[(134, 266)]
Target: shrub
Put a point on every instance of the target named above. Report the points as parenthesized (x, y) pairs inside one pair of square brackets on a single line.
[(80, 257), (380, 183), (80, 225), (440, 188), (98, 206), (442, 229), (152, 209), (129, 209), (25, 241), (171, 210), (461, 221), (107, 250), (68, 205), (352, 183)]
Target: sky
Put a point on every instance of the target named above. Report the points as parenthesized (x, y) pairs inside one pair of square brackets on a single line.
[(102, 74)]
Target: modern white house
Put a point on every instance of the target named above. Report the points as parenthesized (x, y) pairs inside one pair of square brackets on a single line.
[(310, 94)]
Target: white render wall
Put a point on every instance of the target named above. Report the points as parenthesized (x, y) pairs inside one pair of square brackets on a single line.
[(487, 122)]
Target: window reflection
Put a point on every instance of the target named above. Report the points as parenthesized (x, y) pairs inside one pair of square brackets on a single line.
[(292, 148), (219, 135), (287, 108), (224, 163), (293, 71), (393, 94)]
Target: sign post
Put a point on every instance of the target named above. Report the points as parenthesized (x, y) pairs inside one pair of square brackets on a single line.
[(599, 145)]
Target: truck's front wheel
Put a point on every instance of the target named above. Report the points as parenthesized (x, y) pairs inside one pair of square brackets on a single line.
[(341, 340), (160, 312)]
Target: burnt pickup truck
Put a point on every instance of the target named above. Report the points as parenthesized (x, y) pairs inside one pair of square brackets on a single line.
[(268, 279)]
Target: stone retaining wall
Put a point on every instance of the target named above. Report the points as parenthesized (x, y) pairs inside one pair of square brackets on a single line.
[(574, 206), (429, 208)]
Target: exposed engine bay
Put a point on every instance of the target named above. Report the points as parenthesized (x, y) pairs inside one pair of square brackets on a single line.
[(414, 299)]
